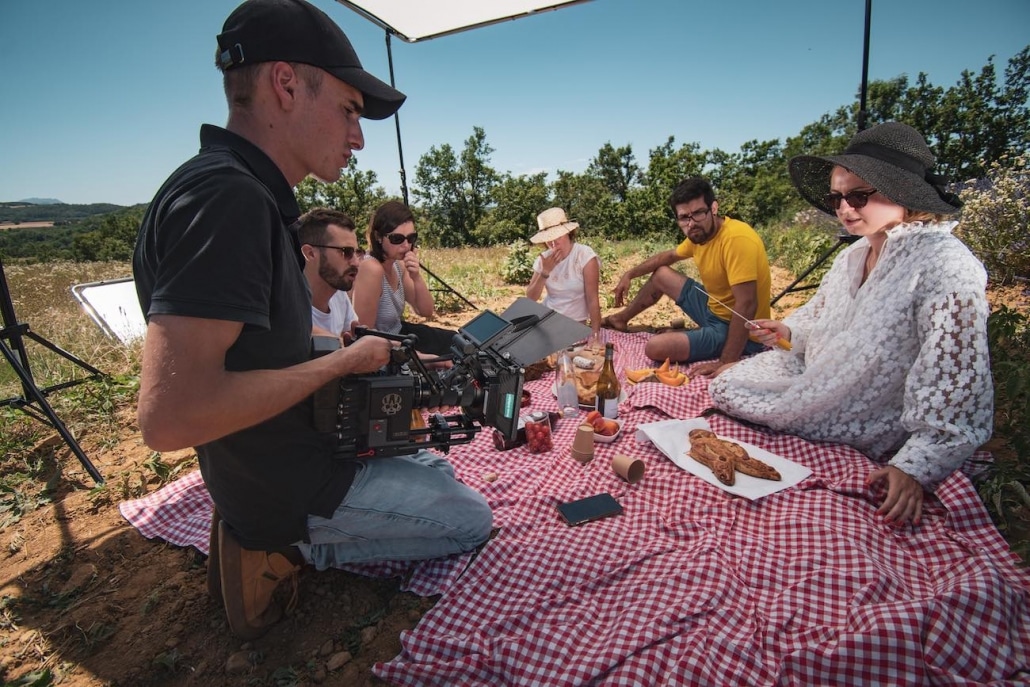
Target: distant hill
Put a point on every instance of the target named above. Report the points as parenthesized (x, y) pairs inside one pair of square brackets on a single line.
[(58, 213), (41, 201)]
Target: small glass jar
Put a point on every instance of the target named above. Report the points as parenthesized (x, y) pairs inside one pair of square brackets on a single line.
[(538, 433)]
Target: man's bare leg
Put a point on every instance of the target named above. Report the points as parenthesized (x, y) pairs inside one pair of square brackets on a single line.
[(664, 281), (672, 345)]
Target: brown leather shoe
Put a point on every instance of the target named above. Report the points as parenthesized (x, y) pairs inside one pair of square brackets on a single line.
[(214, 579), (249, 579)]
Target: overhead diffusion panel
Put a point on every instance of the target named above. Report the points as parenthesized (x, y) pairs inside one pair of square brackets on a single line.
[(419, 20)]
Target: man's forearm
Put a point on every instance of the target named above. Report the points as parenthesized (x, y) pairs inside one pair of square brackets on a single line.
[(648, 266), (736, 339)]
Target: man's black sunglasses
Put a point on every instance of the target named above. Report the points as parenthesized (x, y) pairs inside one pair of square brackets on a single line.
[(856, 199), (346, 251), (398, 239)]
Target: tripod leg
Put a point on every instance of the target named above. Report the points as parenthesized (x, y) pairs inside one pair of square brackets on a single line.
[(841, 241), (37, 397), (448, 287), (61, 352)]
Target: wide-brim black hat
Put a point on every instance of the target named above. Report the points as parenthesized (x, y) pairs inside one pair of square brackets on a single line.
[(892, 157), (297, 31)]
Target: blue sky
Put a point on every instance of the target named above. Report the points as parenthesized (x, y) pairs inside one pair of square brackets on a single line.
[(107, 97)]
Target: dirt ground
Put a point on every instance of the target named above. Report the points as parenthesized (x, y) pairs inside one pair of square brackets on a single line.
[(85, 598)]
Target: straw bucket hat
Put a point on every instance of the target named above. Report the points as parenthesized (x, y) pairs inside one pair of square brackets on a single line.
[(552, 224), (892, 157)]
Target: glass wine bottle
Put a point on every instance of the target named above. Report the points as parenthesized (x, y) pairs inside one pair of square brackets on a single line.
[(608, 387)]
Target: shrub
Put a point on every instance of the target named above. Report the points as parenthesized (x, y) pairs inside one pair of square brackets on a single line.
[(518, 265), (1004, 491), (797, 246), (996, 217)]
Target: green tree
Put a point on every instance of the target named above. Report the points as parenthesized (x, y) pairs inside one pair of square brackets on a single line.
[(581, 196), (518, 200), (616, 169), (108, 237), (456, 193), (667, 166), (753, 185), (356, 193)]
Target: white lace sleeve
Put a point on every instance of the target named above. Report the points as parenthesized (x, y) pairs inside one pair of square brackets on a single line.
[(948, 405)]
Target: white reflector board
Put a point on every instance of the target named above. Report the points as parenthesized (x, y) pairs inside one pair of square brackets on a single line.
[(113, 305)]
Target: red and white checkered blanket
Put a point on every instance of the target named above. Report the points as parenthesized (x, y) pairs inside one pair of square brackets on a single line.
[(691, 586)]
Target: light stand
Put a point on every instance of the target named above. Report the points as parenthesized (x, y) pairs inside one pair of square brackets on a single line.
[(843, 239), (404, 177), (33, 401)]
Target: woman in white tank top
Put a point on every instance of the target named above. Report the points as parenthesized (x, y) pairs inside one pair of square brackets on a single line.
[(569, 271)]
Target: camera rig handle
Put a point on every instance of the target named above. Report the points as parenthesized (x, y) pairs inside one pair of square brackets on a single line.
[(403, 354)]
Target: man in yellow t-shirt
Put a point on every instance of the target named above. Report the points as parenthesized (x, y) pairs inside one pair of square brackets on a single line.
[(734, 269)]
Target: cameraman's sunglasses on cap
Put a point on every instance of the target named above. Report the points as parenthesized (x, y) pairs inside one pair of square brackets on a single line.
[(346, 251), (856, 199), (398, 239)]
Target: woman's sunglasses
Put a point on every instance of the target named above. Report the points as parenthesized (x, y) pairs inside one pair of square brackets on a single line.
[(398, 239), (856, 199)]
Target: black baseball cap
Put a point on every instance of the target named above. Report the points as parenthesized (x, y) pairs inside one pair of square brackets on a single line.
[(297, 31)]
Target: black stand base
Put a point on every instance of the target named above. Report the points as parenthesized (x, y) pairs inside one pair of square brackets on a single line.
[(33, 401)]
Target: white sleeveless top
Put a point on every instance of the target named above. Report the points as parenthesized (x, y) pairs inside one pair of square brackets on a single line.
[(566, 292)]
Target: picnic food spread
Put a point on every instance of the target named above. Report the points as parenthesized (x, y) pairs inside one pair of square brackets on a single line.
[(725, 458), (587, 367), (603, 426), (664, 373)]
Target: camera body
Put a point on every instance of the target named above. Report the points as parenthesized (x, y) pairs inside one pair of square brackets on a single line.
[(380, 414)]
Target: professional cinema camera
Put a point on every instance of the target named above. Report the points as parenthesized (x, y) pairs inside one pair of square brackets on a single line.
[(372, 415)]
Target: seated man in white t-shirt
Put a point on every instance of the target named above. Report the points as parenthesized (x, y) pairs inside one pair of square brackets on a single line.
[(568, 271), (330, 247)]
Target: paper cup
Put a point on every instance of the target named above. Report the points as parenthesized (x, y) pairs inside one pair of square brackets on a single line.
[(584, 440), (583, 444), (629, 469)]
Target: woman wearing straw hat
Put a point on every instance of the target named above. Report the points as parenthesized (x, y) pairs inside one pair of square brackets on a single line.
[(569, 271), (890, 355)]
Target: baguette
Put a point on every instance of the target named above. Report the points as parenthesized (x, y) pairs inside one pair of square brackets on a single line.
[(724, 458), (756, 468)]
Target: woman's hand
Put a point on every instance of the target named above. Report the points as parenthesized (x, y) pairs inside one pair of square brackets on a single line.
[(551, 260), (904, 500), (768, 332), (411, 264)]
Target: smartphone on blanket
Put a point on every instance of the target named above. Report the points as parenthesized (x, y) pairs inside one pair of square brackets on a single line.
[(591, 508)]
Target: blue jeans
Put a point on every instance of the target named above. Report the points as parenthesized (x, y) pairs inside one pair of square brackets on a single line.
[(707, 341), (399, 508)]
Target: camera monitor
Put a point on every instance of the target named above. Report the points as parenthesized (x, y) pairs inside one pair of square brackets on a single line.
[(484, 328)]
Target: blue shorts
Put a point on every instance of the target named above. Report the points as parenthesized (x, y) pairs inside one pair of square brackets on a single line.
[(707, 341)]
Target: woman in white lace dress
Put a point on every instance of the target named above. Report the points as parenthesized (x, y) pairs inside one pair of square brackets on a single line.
[(890, 355)]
